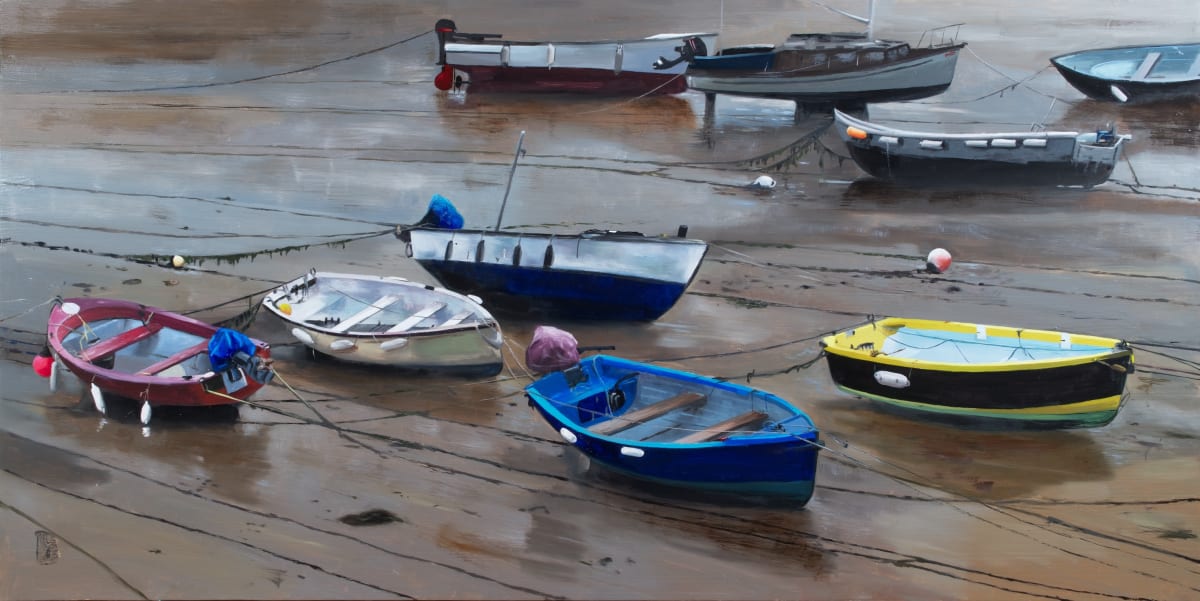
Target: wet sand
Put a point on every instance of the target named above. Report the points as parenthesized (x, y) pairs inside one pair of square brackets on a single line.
[(134, 131)]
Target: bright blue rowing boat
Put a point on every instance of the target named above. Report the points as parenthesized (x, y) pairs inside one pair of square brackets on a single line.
[(679, 428)]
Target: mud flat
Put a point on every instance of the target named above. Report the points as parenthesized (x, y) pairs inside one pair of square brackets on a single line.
[(260, 143)]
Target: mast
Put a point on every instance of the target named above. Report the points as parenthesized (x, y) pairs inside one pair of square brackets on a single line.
[(511, 171)]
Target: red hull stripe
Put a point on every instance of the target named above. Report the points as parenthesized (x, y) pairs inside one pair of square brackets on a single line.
[(560, 79)]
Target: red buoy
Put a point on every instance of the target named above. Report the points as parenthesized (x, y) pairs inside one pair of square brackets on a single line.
[(43, 363), (445, 78), (938, 260)]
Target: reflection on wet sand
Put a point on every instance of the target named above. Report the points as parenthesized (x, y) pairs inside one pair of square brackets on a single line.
[(974, 462)]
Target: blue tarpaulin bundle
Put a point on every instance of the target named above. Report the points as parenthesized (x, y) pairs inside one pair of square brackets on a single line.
[(442, 214), (225, 344)]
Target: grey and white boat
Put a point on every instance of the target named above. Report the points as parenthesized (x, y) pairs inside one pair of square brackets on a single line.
[(1025, 158), (386, 320)]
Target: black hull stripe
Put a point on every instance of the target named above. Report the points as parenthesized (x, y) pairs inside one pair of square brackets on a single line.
[(1022, 389)]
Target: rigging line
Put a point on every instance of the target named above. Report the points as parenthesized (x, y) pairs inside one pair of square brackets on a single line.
[(231, 301), (1187, 362), (743, 351), (1163, 345), (104, 566), (329, 424), (260, 77), (26, 311)]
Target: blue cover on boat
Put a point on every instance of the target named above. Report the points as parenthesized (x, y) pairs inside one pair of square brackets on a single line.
[(225, 344), (447, 217)]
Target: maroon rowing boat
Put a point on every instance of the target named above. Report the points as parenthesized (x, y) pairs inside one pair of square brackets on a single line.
[(129, 350)]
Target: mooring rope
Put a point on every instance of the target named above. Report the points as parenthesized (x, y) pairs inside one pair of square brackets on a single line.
[(258, 77)]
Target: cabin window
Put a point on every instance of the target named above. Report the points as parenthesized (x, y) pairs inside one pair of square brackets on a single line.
[(873, 57), (845, 57)]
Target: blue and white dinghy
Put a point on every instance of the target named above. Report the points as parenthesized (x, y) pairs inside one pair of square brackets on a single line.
[(681, 429)]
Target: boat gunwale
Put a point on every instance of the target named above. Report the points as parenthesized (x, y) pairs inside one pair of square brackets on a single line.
[(1057, 60), (658, 37), (873, 128)]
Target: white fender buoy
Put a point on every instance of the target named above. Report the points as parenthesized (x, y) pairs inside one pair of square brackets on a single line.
[(765, 182), (341, 344), (302, 336), (54, 374), (145, 413), (632, 452), (891, 378), (567, 435), (394, 343), (98, 399), (1118, 93)]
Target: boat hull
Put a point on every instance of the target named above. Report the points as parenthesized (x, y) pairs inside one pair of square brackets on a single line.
[(484, 79), (123, 373), (575, 294), (779, 461), (486, 64), (1085, 391), (457, 336), (1134, 74), (1021, 158), (925, 170), (925, 73), (603, 276)]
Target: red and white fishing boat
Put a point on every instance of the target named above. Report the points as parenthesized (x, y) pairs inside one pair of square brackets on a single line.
[(482, 62), (129, 350)]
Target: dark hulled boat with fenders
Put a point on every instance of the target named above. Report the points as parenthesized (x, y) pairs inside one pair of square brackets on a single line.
[(1061, 158)]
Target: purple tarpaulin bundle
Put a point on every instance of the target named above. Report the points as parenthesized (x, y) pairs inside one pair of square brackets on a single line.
[(552, 349)]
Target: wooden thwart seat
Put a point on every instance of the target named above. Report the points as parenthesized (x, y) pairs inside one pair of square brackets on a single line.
[(171, 361), (647, 413), (747, 420), (416, 318), (120, 341)]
